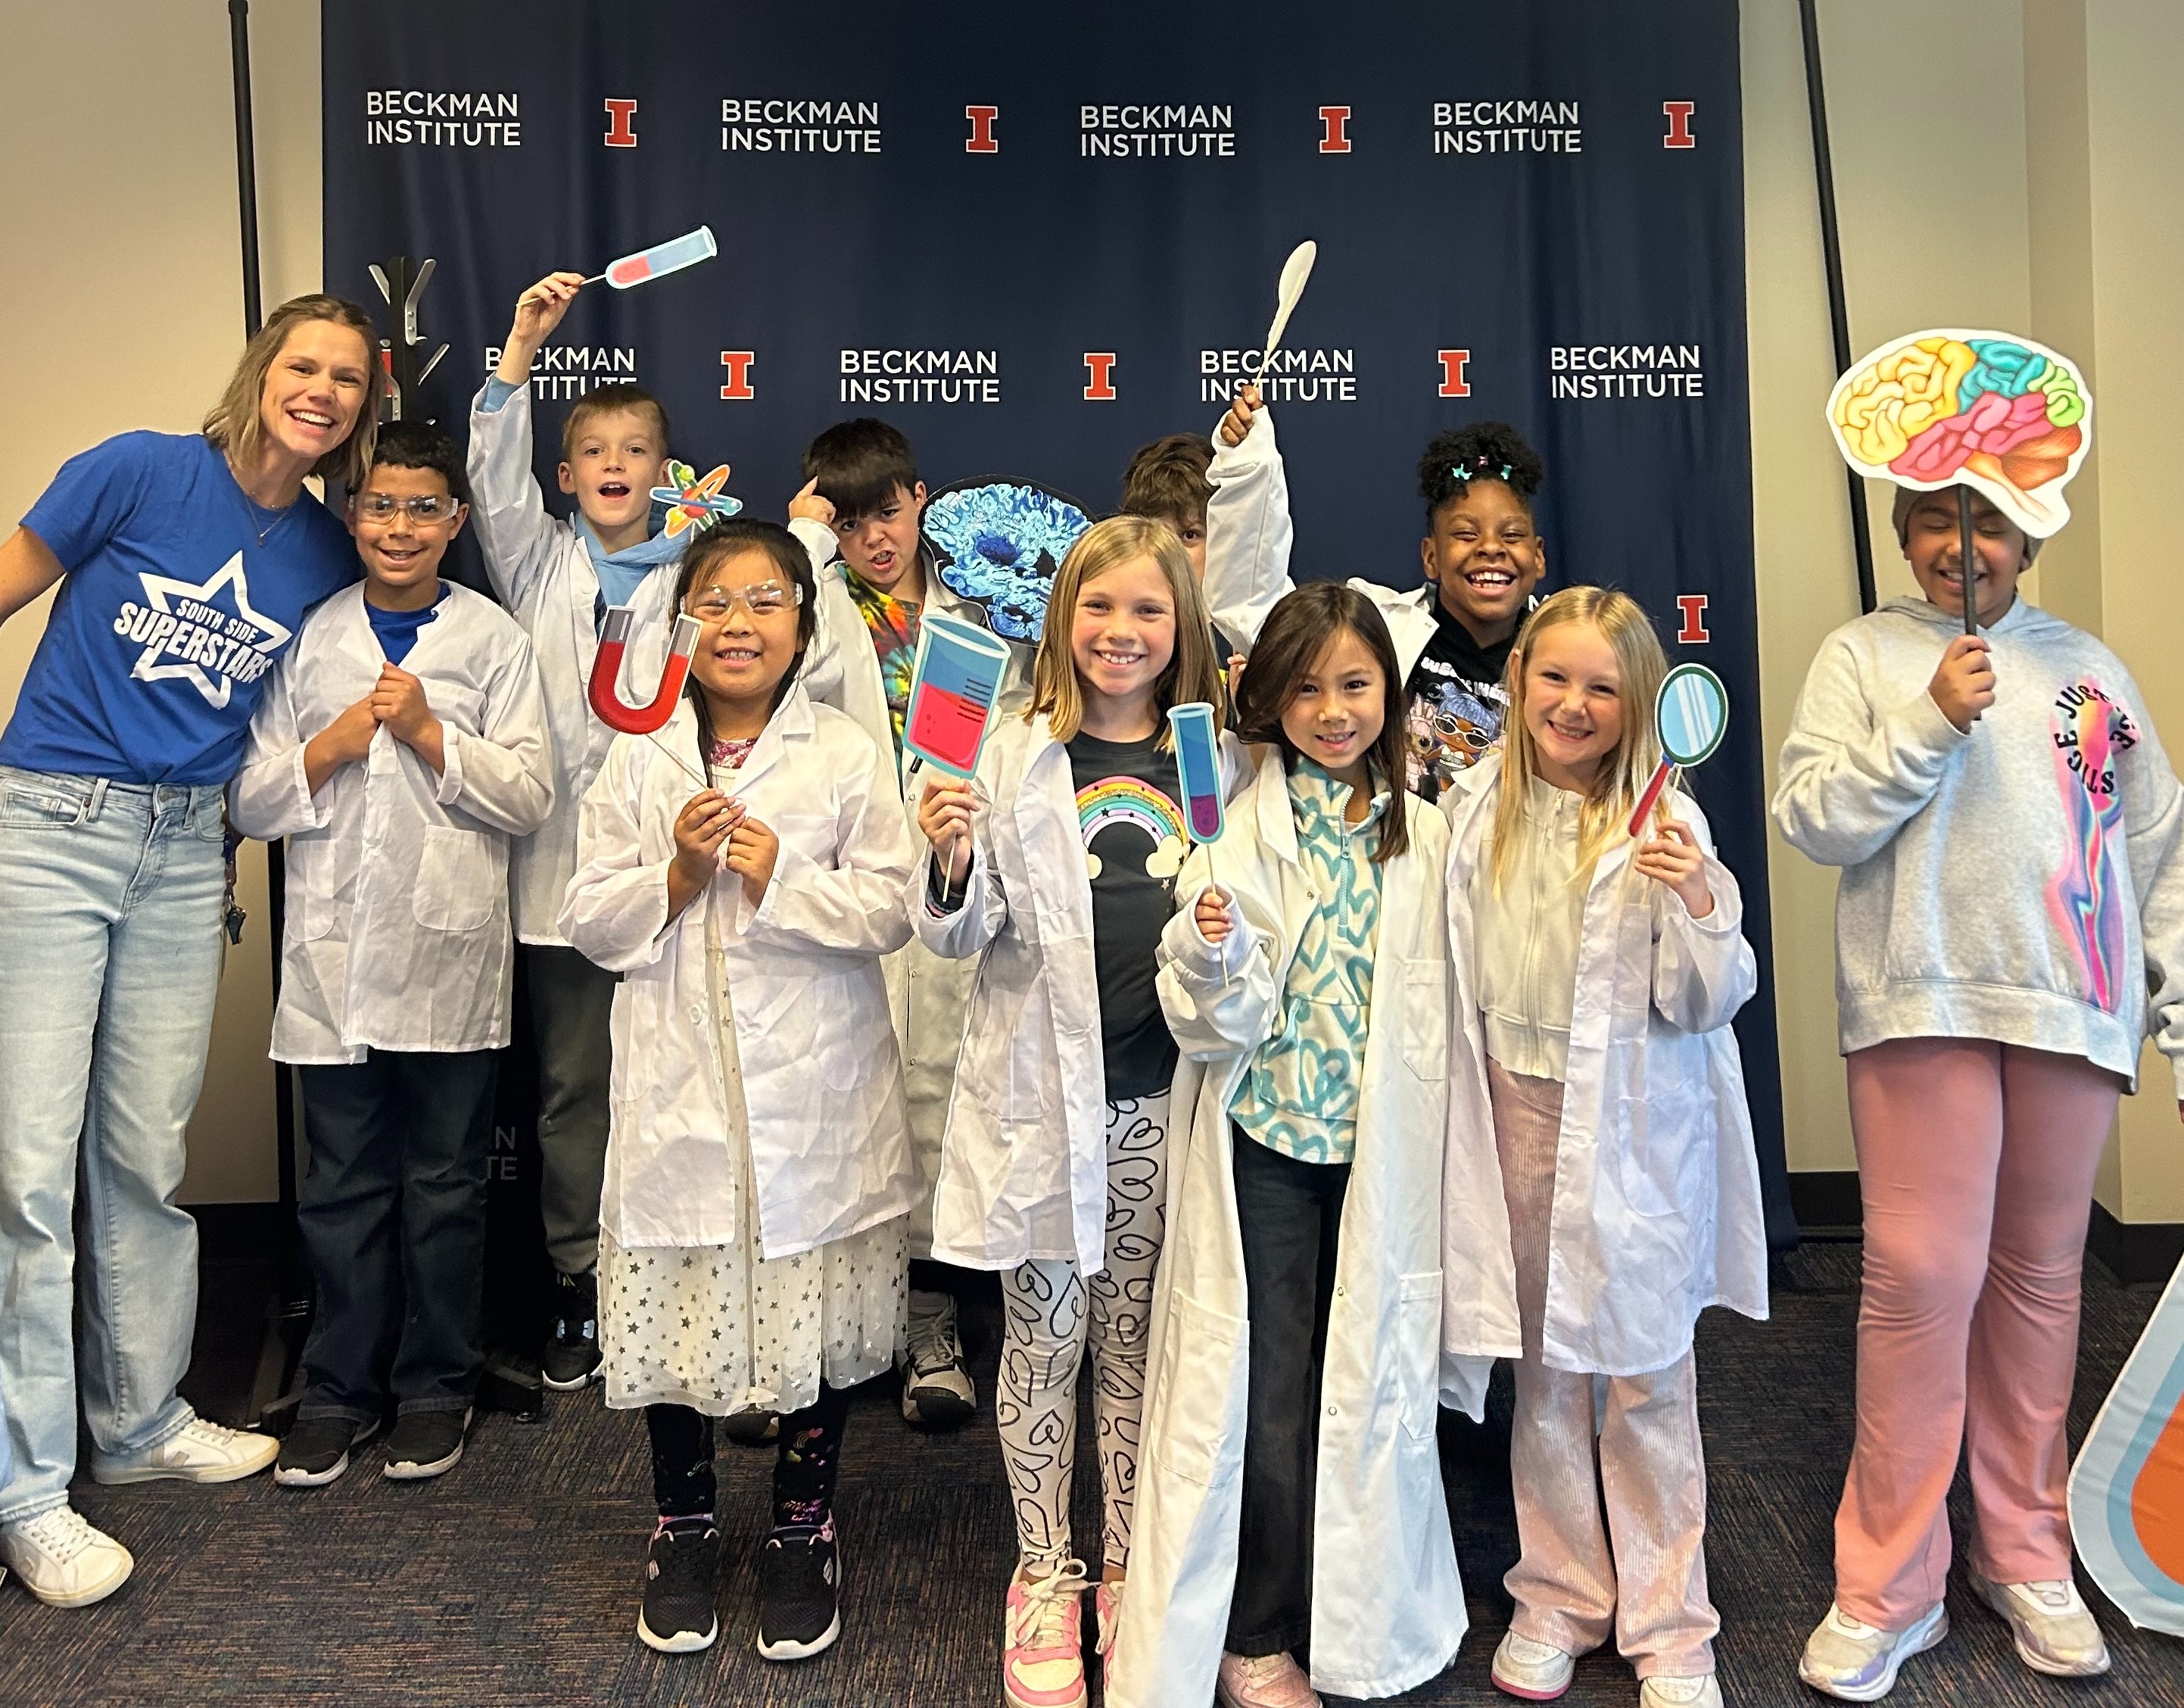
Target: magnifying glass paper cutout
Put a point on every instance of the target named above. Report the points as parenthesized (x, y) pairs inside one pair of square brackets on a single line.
[(1692, 716)]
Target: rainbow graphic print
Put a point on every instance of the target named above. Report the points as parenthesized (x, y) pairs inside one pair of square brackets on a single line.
[(2084, 900), (1116, 801)]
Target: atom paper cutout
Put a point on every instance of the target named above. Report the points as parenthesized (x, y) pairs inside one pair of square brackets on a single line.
[(693, 503), (997, 543), (2003, 415)]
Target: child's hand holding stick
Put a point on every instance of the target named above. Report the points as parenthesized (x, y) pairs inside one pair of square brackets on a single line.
[(1671, 858), (944, 814)]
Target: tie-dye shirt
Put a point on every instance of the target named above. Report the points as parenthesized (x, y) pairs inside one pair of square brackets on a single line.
[(893, 623), (1300, 1095)]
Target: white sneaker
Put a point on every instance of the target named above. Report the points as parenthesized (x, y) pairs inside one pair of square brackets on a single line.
[(937, 1390), (2054, 1629), (1536, 1672), (1846, 1657), (201, 1451), (1660, 1691), (62, 1559)]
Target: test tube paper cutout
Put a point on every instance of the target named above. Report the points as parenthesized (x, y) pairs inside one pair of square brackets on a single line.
[(2003, 415), (1692, 713), (997, 543), (693, 503), (2127, 1488), (606, 671), (953, 685), (1198, 769), (662, 260)]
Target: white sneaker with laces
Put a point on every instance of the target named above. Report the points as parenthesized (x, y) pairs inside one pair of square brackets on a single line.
[(201, 1451), (1847, 1658), (1534, 1671), (62, 1559), (1263, 1681), (937, 1390), (1661, 1691), (2054, 1629)]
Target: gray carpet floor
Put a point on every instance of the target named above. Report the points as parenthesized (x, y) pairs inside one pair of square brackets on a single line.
[(515, 1579)]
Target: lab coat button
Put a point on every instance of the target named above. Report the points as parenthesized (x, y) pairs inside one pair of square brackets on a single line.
[(1331, 1411)]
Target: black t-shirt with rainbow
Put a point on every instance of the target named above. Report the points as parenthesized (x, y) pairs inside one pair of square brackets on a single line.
[(1128, 810)]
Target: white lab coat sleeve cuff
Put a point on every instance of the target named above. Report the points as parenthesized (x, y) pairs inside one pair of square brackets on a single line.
[(819, 545), (451, 766)]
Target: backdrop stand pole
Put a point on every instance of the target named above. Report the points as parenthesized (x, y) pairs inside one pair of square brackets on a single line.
[(1816, 101), (291, 1309)]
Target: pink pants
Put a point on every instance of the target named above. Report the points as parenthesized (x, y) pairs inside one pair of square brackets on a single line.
[(1643, 1574), (1976, 1162)]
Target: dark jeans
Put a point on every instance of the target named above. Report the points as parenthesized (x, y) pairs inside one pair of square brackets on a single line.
[(1290, 1214), (392, 1211), (572, 1007), (805, 1466)]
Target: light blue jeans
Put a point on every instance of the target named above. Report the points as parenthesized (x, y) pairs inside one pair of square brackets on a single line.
[(110, 900)]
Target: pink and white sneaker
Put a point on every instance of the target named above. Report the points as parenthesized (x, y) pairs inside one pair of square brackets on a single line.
[(1043, 1639), (1531, 1670), (1108, 1604), (1263, 1681)]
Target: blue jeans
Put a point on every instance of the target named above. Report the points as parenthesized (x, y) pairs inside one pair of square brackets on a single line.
[(110, 899)]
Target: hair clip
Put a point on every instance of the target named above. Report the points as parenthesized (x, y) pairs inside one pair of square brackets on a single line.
[(1460, 472), (1505, 471)]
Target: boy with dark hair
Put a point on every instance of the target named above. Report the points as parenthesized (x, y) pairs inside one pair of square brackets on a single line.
[(399, 746), (1167, 481), (559, 579), (865, 468)]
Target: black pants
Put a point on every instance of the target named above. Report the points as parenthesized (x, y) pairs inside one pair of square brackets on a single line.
[(1291, 1217), (571, 1008), (392, 1210), (805, 1466)]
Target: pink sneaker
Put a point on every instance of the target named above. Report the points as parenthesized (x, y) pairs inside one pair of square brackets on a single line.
[(1263, 1681), (1109, 1605), (1042, 1653)]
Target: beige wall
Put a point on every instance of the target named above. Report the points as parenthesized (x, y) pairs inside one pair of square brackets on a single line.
[(2034, 186)]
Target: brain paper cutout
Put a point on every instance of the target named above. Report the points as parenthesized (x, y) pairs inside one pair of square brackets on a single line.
[(2002, 414), (997, 543)]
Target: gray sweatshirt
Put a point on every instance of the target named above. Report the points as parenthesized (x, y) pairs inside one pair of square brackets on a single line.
[(2022, 883)]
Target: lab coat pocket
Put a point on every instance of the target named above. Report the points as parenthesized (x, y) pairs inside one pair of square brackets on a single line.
[(1199, 1389), (461, 875), (1425, 1019), (1418, 1329), (1653, 1148), (1008, 1034)]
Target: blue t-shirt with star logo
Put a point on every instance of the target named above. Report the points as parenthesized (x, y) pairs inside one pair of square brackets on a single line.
[(168, 622)]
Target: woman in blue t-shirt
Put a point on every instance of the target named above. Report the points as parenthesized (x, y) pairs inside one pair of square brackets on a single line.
[(184, 563)]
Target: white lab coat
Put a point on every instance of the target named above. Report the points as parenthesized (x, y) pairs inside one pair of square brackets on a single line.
[(397, 927), (1656, 1212), (1024, 1167), (829, 1145), (1248, 536), (543, 571), (927, 993), (1387, 1607)]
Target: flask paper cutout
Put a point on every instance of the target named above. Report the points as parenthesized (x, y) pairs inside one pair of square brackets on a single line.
[(660, 260), (953, 686), (1198, 769), (1692, 713), (2127, 1488), (606, 671)]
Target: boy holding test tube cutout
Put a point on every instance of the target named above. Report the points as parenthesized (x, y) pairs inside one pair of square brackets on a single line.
[(559, 579)]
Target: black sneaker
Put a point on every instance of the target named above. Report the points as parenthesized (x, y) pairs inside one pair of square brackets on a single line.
[(572, 1358), (315, 1450), (678, 1617), (800, 1585), (752, 1428), (425, 1443)]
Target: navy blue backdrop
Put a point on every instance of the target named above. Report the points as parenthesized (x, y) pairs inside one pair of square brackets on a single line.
[(1034, 241)]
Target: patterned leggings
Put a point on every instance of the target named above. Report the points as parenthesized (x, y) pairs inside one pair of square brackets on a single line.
[(1050, 1312)]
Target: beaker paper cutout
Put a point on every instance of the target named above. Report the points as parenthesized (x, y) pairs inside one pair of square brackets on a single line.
[(2127, 1488), (953, 686), (2003, 415)]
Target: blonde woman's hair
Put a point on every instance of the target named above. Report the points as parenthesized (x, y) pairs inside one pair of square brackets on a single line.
[(1625, 771), (1192, 673), (234, 423)]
